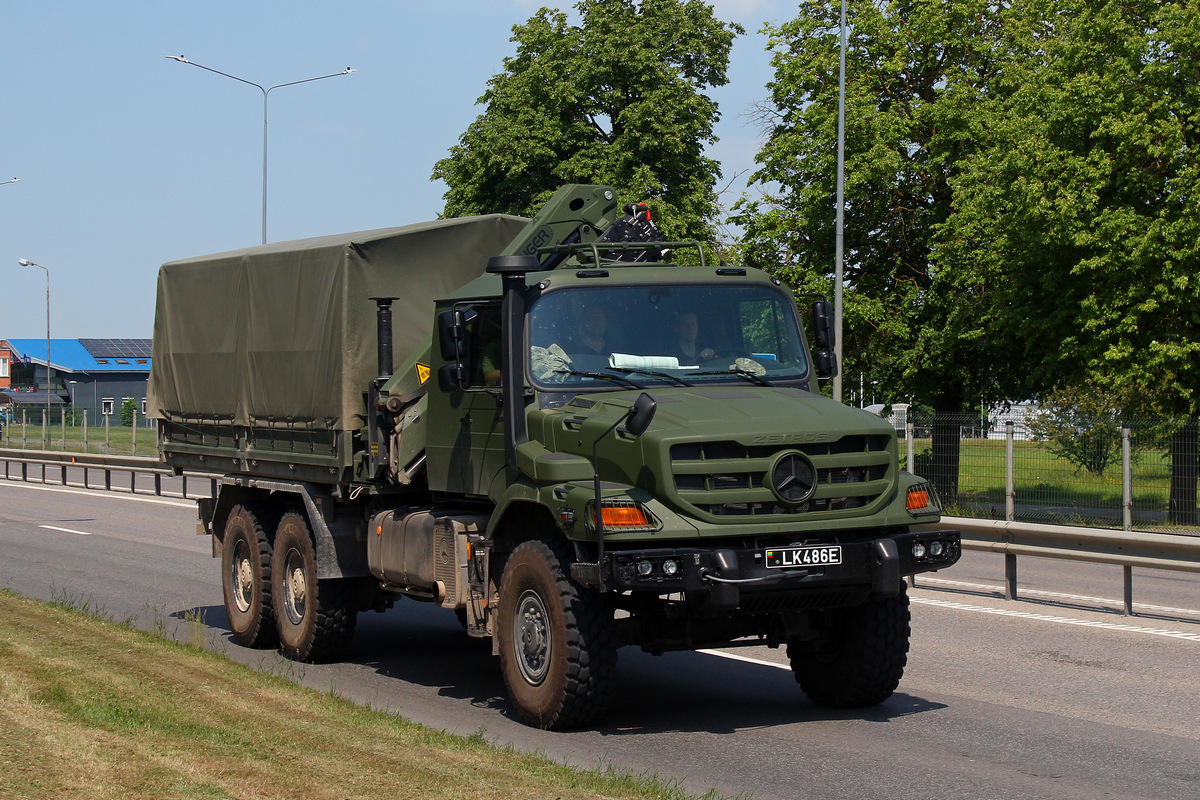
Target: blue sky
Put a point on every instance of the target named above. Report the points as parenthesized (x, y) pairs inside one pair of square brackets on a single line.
[(128, 159)]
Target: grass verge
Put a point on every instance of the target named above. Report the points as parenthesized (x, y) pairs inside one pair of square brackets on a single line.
[(90, 708)]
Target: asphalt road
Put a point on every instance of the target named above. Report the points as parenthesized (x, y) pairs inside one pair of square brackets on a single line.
[(1055, 696)]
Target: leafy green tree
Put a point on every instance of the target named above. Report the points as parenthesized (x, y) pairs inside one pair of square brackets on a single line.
[(1077, 222), (913, 71), (1021, 212), (618, 99), (128, 409), (1080, 425)]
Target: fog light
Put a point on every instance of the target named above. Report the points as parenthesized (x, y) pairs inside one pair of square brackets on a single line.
[(918, 550), (936, 549), (644, 567), (671, 567)]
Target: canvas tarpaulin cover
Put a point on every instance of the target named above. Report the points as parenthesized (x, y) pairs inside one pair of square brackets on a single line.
[(285, 334)]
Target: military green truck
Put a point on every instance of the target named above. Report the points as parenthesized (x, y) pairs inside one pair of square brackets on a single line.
[(585, 445)]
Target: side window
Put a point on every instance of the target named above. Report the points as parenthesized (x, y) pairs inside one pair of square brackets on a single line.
[(3, 366), (485, 346), (106, 406)]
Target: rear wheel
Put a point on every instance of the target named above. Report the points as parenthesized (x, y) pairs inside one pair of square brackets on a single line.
[(315, 618), (246, 578), (555, 639), (860, 655)]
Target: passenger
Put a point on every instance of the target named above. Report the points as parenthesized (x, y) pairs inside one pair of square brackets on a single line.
[(687, 328), (590, 332)]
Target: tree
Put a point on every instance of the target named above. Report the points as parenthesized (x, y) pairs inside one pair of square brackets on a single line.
[(913, 71), (128, 409), (1079, 210), (1081, 427), (1021, 213), (618, 99)]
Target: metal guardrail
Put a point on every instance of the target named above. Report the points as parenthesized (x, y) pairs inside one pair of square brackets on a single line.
[(1127, 549), (106, 464)]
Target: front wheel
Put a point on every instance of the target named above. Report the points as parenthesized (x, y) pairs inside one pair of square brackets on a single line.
[(555, 639), (315, 619), (860, 656)]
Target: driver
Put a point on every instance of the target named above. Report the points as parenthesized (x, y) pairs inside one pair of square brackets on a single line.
[(687, 329)]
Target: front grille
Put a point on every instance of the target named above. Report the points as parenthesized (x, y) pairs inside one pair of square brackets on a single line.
[(725, 479)]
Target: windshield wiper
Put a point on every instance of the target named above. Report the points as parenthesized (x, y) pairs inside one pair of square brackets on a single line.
[(601, 376), (655, 373), (753, 377)]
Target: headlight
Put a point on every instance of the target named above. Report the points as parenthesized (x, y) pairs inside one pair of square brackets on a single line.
[(671, 567), (644, 567), (918, 550), (936, 549)]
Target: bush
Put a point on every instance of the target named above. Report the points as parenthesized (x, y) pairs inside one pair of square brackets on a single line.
[(1080, 425), (128, 409)]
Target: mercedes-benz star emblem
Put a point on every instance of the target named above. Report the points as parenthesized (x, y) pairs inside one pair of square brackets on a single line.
[(793, 478)]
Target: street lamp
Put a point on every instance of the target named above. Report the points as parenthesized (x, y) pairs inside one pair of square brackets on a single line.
[(265, 91), (24, 262)]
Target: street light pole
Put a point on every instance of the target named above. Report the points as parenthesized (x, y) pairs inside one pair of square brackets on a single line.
[(838, 269), (24, 262), (265, 92)]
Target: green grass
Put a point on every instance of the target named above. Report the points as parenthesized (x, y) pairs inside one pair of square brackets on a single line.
[(1041, 478), (90, 708), (120, 439)]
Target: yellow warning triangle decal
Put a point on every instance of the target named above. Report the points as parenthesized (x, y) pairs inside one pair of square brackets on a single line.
[(422, 373)]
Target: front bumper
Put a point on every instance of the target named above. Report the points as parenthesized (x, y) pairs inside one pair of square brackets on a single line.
[(724, 579)]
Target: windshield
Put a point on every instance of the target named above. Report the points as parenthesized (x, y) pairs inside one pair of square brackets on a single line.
[(683, 334)]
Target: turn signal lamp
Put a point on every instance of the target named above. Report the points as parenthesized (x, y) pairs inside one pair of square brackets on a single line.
[(922, 499), (624, 515)]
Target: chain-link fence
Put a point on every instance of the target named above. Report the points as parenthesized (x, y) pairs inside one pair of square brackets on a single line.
[(1063, 469)]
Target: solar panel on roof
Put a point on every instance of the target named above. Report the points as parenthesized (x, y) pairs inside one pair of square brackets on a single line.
[(117, 348)]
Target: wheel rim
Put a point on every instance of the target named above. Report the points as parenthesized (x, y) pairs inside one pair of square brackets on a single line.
[(531, 637), (295, 586), (242, 572)]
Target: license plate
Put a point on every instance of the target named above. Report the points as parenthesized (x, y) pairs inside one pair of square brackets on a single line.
[(812, 556)]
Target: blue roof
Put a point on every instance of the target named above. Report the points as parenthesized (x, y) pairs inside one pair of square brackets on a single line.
[(69, 355)]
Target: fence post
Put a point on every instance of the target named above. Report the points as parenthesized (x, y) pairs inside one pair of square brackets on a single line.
[(1009, 483), (23, 434), (133, 432), (62, 418), (909, 439), (85, 443), (1126, 478)]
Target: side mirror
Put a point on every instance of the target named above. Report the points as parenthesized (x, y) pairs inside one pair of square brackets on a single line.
[(452, 332), (823, 324), (640, 414), (823, 330)]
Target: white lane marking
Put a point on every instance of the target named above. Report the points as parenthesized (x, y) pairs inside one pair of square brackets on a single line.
[(735, 657), (97, 493), (1056, 595), (65, 530), (1109, 626)]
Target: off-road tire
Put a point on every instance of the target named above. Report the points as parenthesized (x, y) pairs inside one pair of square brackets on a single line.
[(860, 657), (246, 577), (314, 618), (557, 651)]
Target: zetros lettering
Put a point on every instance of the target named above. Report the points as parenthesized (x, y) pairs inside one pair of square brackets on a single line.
[(791, 438)]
